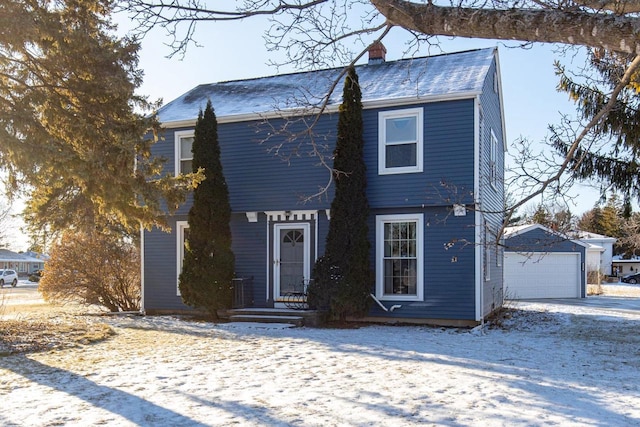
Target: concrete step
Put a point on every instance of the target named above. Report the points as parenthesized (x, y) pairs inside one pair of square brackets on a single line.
[(264, 318)]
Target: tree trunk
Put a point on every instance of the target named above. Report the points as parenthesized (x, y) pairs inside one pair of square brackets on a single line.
[(600, 30)]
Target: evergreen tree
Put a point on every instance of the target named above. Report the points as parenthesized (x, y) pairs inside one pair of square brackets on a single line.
[(554, 217), (616, 165), (209, 263), (342, 278), (71, 125), (606, 220)]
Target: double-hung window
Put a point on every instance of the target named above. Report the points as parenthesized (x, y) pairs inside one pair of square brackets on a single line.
[(400, 141), (184, 156), (399, 259)]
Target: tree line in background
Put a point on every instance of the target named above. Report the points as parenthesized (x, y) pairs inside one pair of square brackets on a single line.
[(612, 218)]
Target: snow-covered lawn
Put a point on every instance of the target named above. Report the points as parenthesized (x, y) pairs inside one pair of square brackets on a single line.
[(548, 365)]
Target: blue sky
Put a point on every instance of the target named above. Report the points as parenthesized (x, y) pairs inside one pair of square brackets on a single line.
[(232, 51)]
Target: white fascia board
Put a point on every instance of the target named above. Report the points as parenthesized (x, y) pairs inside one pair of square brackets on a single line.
[(285, 113), (476, 149), (504, 126)]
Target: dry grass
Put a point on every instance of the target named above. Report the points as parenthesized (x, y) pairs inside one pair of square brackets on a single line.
[(29, 324), (48, 332)]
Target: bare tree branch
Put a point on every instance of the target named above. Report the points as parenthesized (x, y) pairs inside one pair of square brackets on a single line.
[(593, 123)]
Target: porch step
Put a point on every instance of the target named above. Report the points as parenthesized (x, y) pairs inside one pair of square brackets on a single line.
[(261, 318), (274, 315)]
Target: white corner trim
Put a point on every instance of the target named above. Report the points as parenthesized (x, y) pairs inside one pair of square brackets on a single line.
[(479, 276), (142, 310), (180, 226), (327, 212)]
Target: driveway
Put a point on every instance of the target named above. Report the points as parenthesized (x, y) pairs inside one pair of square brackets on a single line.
[(616, 298)]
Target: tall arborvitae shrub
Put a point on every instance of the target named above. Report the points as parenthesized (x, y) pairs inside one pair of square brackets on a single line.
[(208, 266), (342, 277)]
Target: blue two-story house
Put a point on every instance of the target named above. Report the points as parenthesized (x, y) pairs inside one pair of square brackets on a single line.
[(434, 150)]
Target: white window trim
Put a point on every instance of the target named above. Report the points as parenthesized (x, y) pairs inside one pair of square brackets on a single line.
[(177, 149), (493, 160), (382, 116), (380, 221), (180, 227)]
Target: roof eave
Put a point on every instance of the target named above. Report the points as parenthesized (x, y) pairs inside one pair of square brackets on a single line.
[(367, 105)]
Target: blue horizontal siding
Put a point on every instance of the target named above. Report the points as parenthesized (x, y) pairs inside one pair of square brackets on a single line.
[(447, 175), (260, 181), (160, 269), (449, 283)]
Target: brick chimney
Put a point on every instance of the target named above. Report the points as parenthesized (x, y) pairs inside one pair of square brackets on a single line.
[(377, 53)]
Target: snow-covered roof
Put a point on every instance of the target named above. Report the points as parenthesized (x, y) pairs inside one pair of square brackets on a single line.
[(10, 256), (594, 248), (525, 228), (447, 76), (587, 235)]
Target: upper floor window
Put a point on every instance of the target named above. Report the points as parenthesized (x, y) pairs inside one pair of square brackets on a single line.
[(400, 141), (184, 156), (493, 160)]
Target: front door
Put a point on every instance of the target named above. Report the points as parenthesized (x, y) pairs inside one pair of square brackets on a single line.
[(292, 258)]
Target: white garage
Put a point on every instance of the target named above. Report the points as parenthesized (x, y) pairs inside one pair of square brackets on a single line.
[(542, 275), (541, 263)]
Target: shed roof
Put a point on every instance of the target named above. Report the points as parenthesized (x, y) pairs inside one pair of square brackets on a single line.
[(449, 75)]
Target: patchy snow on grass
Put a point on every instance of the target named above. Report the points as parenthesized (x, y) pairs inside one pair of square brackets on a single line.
[(548, 363)]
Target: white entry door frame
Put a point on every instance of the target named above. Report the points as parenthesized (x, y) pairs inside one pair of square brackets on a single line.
[(291, 257)]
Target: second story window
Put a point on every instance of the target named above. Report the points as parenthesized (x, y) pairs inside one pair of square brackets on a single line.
[(184, 156), (400, 141), (493, 161)]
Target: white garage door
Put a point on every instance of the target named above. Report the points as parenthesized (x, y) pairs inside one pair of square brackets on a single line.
[(551, 275)]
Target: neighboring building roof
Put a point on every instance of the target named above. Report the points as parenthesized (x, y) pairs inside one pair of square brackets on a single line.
[(587, 235), (38, 255), (618, 258), (592, 247), (9, 256), (522, 229), (451, 75)]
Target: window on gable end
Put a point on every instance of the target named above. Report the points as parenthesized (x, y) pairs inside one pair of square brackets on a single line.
[(400, 141), (493, 161), (184, 156)]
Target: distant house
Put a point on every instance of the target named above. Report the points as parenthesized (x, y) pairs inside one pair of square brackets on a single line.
[(434, 149), (603, 246), (23, 263), (623, 267)]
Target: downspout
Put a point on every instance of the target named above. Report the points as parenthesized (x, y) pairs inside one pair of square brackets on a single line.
[(142, 310), (393, 307)]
